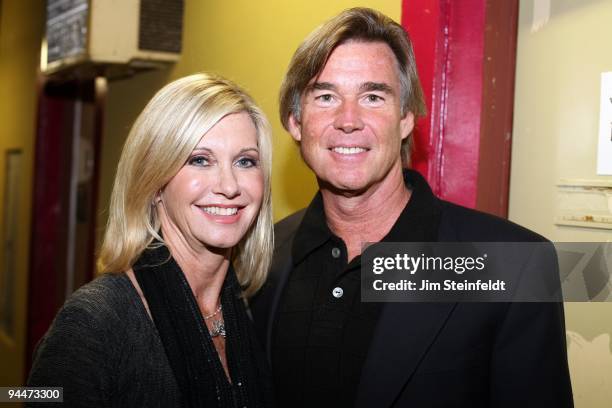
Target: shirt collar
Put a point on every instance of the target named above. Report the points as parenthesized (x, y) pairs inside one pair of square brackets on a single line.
[(417, 222)]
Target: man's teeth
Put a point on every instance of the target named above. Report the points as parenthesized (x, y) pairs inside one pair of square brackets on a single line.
[(220, 210), (348, 150)]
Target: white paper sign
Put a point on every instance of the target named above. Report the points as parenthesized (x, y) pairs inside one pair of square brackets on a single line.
[(604, 149)]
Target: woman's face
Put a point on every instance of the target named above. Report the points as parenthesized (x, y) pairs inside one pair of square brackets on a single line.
[(216, 196)]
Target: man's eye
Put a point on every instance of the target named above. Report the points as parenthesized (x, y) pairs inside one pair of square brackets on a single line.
[(246, 162), (198, 161), (374, 98), (325, 98)]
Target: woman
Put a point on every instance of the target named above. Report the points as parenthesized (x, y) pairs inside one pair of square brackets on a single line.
[(189, 235)]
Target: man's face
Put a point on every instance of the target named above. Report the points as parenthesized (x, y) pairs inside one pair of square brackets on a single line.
[(351, 128)]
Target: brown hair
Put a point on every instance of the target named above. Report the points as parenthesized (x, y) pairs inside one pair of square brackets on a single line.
[(355, 24)]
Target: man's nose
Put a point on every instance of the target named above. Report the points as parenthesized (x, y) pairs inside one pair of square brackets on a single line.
[(227, 184), (348, 117)]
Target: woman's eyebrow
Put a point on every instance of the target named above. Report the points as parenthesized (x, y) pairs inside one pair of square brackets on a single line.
[(249, 149), (202, 149)]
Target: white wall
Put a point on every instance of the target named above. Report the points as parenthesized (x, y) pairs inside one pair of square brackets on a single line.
[(556, 124)]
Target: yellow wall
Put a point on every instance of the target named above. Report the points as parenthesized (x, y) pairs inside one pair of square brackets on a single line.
[(556, 121), (250, 42), (21, 26)]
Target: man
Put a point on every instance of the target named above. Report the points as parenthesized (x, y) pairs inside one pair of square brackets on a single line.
[(349, 99)]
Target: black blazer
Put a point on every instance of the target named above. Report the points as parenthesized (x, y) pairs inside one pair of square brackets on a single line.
[(449, 354)]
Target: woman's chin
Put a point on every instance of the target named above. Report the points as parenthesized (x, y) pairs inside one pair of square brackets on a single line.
[(220, 245)]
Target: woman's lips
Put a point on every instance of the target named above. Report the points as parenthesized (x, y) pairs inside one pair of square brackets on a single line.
[(222, 213)]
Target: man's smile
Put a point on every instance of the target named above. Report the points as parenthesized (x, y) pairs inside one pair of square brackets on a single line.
[(349, 150)]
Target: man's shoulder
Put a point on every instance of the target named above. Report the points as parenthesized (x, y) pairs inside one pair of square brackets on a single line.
[(465, 224)]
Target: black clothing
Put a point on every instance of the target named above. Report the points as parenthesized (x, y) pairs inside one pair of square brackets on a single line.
[(187, 342), (105, 351), (322, 324), (445, 354)]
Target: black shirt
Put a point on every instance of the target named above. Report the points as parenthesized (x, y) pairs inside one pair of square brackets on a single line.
[(323, 330)]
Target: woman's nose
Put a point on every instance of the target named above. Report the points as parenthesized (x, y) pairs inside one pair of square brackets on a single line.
[(227, 184)]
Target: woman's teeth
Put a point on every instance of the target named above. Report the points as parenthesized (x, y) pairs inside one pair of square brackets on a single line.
[(220, 210)]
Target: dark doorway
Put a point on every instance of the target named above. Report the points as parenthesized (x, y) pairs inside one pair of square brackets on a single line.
[(69, 129)]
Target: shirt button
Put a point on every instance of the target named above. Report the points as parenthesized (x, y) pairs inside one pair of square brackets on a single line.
[(338, 292), (336, 252)]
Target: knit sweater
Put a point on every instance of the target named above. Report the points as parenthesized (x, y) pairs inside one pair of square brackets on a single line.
[(104, 350)]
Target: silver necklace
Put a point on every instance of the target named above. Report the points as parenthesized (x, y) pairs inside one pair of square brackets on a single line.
[(214, 313), (218, 326)]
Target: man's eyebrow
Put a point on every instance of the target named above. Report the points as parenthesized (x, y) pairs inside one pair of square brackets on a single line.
[(365, 87), (321, 86), (376, 86)]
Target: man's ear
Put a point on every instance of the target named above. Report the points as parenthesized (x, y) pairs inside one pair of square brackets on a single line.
[(407, 124), (295, 128)]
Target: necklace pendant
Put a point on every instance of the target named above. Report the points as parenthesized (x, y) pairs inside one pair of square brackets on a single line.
[(218, 328)]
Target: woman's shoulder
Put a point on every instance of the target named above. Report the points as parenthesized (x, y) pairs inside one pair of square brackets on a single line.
[(107, 307), (99, 338), (106, 298), (98, 318)]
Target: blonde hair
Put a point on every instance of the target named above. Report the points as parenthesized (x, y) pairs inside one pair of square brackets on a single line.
[(158, 145), (355, 24)]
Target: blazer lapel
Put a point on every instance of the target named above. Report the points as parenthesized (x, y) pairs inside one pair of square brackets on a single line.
[(404, 333)]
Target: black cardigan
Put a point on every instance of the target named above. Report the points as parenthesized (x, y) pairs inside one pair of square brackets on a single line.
[(105, 351)]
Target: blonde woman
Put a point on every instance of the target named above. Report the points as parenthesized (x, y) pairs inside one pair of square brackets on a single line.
[(189, 236)]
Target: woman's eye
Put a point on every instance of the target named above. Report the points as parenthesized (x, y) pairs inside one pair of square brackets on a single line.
[(198, 161), (246, 162)]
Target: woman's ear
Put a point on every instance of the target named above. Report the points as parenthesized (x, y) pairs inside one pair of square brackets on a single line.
[(157, 198)]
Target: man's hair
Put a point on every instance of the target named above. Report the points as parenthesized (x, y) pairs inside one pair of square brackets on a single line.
[(355, 24), (157, 147)]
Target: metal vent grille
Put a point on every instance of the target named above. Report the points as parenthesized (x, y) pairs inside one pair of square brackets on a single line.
[(161, 25)]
